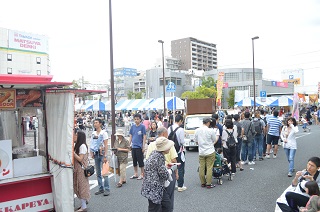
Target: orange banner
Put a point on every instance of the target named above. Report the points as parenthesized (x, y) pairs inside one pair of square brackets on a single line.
[(313, 98), (7, 99), (302, 97), (219, 88)]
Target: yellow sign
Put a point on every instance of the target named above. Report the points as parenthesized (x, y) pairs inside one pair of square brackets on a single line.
[(294, 81), (7, 99), (219, 88)]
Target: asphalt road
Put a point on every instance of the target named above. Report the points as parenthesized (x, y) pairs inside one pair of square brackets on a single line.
[(251, 190)]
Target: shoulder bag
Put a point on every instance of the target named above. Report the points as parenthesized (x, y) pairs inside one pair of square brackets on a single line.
[(245, 138), (89, 170)]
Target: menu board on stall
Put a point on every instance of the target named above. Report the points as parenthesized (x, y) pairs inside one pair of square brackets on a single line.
[(29, 98), (6, 159), (7, 99)]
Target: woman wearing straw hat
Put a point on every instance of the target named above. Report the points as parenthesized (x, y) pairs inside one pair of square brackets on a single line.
[(156, 174), (123, 147)]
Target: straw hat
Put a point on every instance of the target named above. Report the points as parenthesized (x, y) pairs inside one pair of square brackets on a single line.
[(163, 144), (119, 132)]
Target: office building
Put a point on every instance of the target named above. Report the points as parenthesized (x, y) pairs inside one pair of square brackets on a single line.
[(23, 53), (194, 54), (242, 79)]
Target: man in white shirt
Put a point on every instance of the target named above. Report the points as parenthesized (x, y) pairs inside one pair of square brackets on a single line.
[(99, 151), (206, 138)]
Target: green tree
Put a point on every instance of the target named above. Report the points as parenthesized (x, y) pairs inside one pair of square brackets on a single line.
[(206, 90), (134, 95), (230, 99)]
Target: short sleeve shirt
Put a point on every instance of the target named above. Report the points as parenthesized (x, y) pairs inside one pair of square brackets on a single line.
[(83, 149), (97, 140), (137, 133)]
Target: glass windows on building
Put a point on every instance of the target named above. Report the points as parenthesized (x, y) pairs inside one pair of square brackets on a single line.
[(231, 77), (175, 80)]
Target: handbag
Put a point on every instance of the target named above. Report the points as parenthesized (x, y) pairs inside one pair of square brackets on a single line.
[(89, 170)]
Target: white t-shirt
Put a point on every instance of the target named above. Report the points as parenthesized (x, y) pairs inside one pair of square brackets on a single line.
[(103, 132), (83, 149)]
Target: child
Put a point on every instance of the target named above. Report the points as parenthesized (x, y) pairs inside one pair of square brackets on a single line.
[(304, 124), (313, 204)]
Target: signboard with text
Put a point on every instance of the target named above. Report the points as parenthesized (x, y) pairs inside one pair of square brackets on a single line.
[(26, 41), (29, 98), (7, 99)]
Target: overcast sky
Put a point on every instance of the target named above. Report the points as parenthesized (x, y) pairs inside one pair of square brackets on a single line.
[(78, 32)]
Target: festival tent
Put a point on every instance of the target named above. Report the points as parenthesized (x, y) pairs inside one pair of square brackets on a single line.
[(122, 104), (84, 105), (139, 105), (158, 104), (282, 101), (144, 104), (96, 106), (134, 104), (248, 101), (107, 105)]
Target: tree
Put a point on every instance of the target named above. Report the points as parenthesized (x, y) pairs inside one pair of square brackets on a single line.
[(230, 99), (134, 95), (206, 90)]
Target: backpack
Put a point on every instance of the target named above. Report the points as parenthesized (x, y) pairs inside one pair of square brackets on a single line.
[(173, 137), (257, 126), (231, 141)]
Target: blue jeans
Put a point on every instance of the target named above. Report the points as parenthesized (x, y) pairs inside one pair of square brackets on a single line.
[(180, 171), (304, 126), (246, 151), (98, 159), (290, 153), (258, 142)]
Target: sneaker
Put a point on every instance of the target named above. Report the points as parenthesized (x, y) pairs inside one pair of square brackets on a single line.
[(268, 156), (182, 188), (99, 192), (211, 186), (290, 174), (251, 163), (106, 193), (233, 174), (244, 162), (274, 156)]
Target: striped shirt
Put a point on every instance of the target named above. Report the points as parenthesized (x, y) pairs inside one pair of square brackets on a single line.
[(274, 125)]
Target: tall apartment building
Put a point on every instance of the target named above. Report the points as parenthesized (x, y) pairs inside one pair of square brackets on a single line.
[(23, 53), (194, 54)]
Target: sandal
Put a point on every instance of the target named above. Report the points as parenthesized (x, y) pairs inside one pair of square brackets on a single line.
[(140, 178), (133, 177), (124, 182), (119, 185)]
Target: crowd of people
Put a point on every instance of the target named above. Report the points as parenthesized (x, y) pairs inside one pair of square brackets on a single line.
[(157, 148)]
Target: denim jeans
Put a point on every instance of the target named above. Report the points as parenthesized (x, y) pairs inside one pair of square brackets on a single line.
[(290, 153), (180, 171), (246, 151), (98, 159), (254, 148), (304, 126), (258, 143)]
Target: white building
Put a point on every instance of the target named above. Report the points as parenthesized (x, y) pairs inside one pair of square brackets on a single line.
[(23, 53)]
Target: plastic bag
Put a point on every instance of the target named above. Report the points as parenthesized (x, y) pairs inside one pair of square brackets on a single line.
[(105, 169)]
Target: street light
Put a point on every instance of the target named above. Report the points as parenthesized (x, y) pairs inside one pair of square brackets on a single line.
[(164, 81), (254, 75)]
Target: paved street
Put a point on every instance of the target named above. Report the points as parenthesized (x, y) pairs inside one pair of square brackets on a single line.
[(251, 190)]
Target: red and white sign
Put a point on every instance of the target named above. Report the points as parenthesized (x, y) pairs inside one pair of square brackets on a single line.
[(225, 85), (35, 203), (26, 195), (5, 160), (27, 41)]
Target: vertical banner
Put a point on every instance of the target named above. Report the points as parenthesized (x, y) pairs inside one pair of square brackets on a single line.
[(295, 111), (219, 88), (313, 99), (318, 87)]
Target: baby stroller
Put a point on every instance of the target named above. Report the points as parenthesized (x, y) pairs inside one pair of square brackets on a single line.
[(220, 168)]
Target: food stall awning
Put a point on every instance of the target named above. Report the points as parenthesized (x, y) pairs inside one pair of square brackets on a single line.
[(29, 81)]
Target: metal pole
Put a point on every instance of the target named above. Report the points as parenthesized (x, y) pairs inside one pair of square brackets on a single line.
[(113, 119), (164, 80), (254, 76)]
